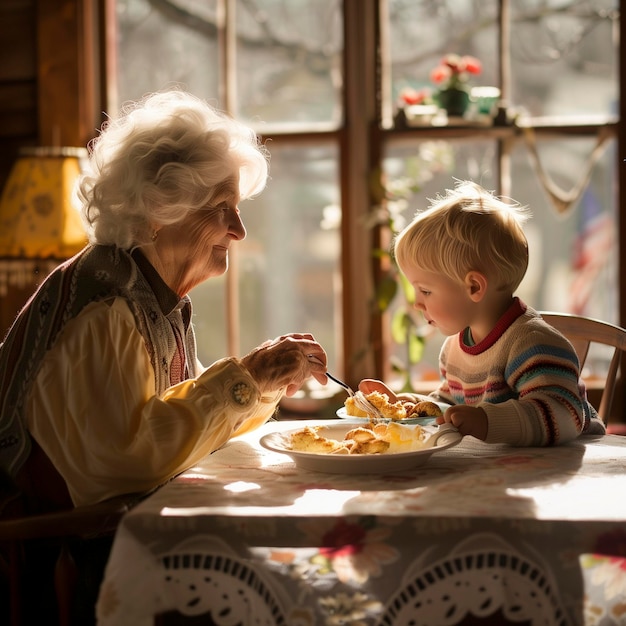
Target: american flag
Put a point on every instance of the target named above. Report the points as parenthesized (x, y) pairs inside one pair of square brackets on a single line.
[(592, 248)]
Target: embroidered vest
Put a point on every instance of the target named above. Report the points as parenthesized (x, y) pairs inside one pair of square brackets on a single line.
[(97, 273)]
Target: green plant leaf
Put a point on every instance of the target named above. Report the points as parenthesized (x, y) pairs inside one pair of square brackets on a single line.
[(407, 289), (385, 292), (379, 253), (401, 324), (378, 190), (397, 366), (404, 331), (416, 348)]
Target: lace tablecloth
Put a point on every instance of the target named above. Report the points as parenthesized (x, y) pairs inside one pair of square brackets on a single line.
[(479, 534)]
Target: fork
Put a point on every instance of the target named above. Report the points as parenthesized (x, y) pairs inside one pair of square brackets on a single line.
[(342, 384), (347, 387), (359, 397), (360, 400)]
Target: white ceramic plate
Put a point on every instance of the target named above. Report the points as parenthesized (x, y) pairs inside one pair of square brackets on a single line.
[(422, 421), (350, 463)]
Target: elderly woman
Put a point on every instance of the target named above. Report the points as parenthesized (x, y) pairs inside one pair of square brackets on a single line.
[(101, 392)]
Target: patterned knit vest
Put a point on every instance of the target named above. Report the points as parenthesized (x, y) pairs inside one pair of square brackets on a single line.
[(95, 274)]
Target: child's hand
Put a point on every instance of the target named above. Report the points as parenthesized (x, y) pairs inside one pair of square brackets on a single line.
[(469, 420), (367, 385)]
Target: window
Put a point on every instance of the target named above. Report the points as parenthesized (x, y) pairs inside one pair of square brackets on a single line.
[(559, 67), (309, 261)]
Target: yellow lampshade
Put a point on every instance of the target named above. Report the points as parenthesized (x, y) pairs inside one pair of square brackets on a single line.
[(37, 216)]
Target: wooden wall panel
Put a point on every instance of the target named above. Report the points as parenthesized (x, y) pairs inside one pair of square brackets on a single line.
[(67, 79), (18, 109), (49, 85), (18, 80), (17, 34)]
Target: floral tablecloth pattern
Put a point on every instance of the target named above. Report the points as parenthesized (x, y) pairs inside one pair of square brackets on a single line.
[(506, 535)]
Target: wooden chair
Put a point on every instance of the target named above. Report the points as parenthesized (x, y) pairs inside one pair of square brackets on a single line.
[(584, 331), (58, 530)]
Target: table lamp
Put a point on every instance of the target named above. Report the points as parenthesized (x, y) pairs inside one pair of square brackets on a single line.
[(40, 225)]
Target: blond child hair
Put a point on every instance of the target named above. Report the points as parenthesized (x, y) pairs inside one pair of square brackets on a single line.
[(467, 229)]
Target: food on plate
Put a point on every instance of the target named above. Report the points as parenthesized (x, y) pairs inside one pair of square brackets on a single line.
[(424, 408), (395, 411), (307, 440), (367, 439), (402, 437), (353, 409), (399, 410)]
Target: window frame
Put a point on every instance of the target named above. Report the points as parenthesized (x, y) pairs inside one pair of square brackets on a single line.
[(362, 139)]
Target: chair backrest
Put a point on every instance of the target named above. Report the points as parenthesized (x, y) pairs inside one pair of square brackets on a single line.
[(57, 530), (584, 331)]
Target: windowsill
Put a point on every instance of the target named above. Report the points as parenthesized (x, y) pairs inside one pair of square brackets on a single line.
[(544, 125)]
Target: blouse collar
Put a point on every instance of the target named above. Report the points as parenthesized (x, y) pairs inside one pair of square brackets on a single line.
[(168, 300)]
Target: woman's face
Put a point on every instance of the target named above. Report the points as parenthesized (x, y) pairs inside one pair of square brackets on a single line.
[(196, 248)]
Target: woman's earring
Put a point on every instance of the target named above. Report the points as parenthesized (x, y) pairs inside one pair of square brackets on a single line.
[(155, 234)]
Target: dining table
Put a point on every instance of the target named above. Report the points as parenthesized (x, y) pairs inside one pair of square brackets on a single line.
[(472, 533)]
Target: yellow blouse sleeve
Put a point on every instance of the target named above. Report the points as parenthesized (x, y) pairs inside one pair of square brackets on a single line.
[(94, 411)]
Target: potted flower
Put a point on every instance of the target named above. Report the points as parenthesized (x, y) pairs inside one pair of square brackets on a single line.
[(417, 106), (451, 75), (410, 96)]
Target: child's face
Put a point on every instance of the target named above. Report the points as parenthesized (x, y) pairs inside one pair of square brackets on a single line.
[(445, 303)]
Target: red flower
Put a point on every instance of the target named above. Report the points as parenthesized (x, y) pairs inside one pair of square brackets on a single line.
[(454, 62), (473, 65), (454, 69), (409, 96), (343, 539), (440, 73)]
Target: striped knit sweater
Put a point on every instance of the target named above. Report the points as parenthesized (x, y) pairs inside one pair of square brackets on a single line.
[(525, 375)]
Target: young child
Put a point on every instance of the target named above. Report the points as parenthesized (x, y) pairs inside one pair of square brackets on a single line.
[(509, 376)]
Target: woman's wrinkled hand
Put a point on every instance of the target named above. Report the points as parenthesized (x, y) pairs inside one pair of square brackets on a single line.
[(286, 362)]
